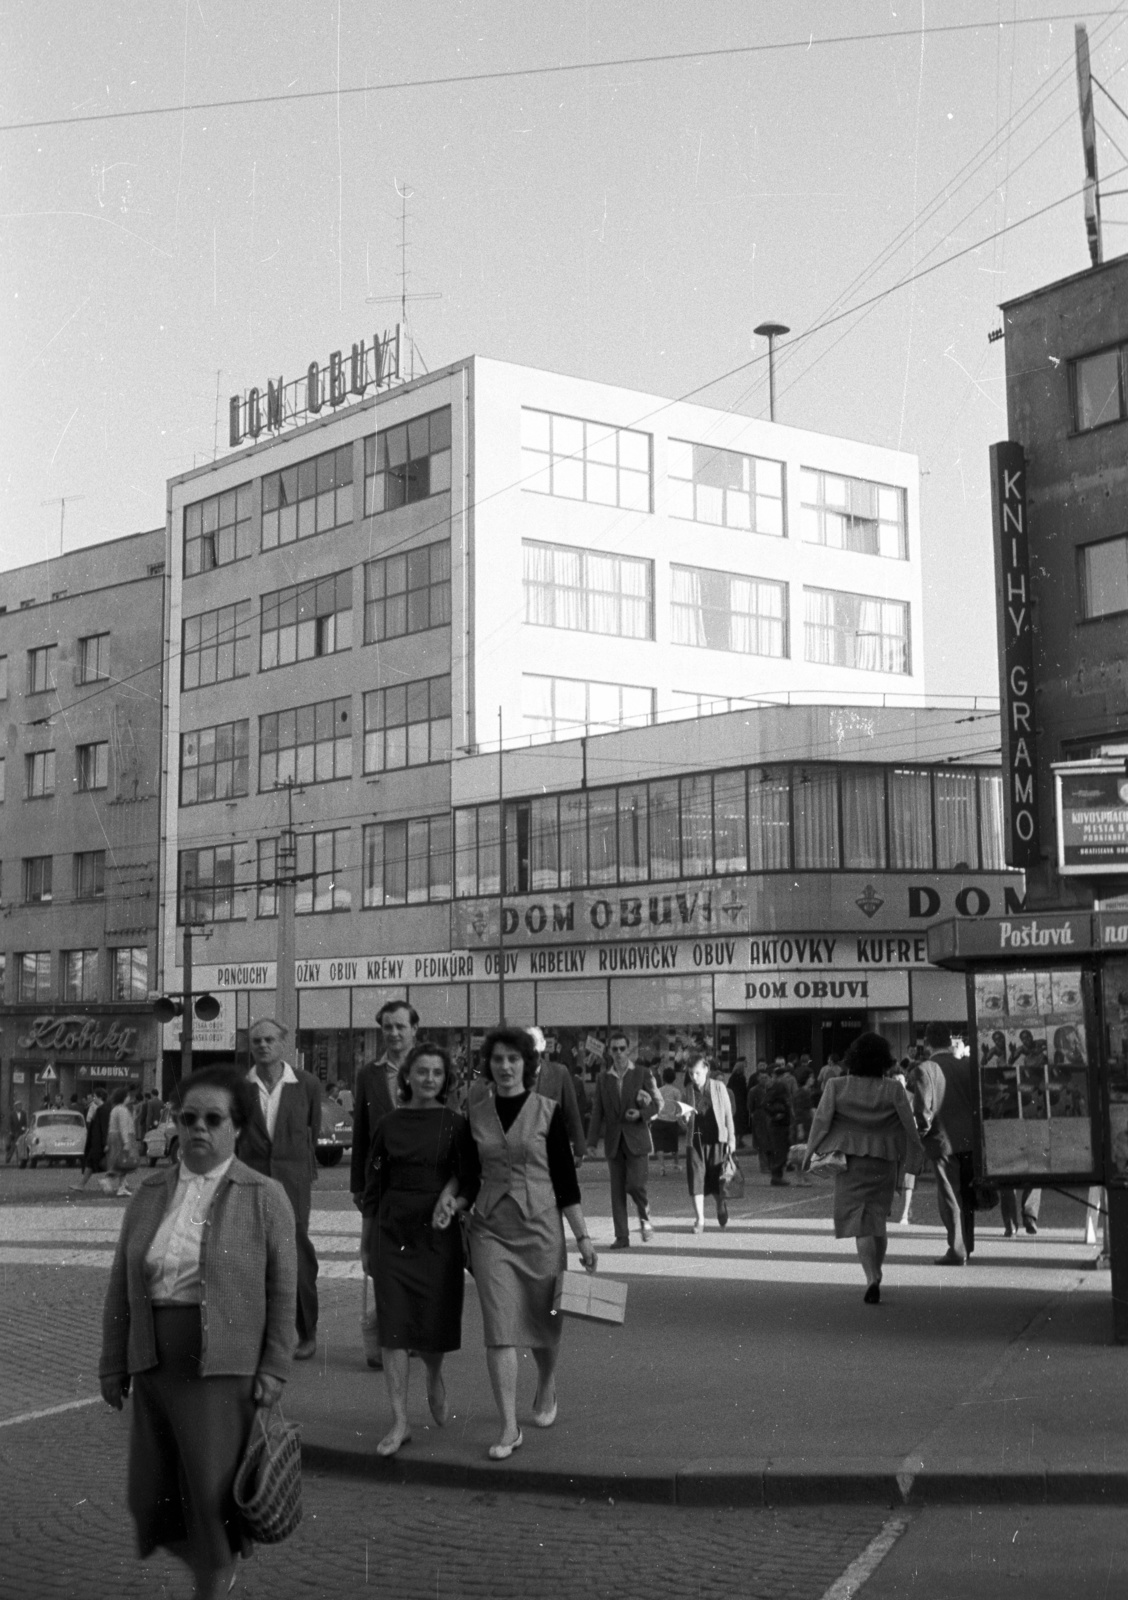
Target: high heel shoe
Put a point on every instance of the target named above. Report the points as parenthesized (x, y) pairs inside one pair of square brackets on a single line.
[(502, 1452), (872, 1296)]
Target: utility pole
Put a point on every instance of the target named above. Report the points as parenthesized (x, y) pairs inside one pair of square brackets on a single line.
[(500, 881), (186, 1014), (286, 994), (1088, 144)]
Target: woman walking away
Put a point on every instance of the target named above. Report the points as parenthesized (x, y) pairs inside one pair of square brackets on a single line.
[(525, 1180), (710, 1139), (664, 1129), (418, 1270), (121, 1142), (866, 1117), (199, 1319)]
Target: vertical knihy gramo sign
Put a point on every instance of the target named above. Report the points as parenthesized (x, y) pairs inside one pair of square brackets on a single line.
[(1092, 817), (1016, 653)]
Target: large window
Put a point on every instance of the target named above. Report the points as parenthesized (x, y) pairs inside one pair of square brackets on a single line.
[(852, 514), (577, 460), (312, 497), (1098, 390), (267, 878), (39, 771), (310, 744), (80, 974), (214, 763), (725, 489), (92, 765), (37, 880), (910, 819), (408, 462), (307, 620), (563, 708), (89, 874), (130, 973), (323, 869), (217, 531), (216, 646), (407, 593), (42, 669), (94, 658), (208, 891), (407, 862), (407, 724), (726, 611), (588, 591), (1104, 577), (33, 975), (857, 630)]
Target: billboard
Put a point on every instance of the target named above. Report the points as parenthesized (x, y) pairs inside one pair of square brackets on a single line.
[(1091, 803)]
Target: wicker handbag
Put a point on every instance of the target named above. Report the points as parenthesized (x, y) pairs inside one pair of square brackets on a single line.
[(268, 1484)]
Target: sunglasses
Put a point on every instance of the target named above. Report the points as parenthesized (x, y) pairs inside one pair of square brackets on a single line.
[(619, 1049), (209, 1119)]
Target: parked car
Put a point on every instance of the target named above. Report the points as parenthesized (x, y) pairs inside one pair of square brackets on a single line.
[(53, 1136), (336, 1133), (162, 1141)]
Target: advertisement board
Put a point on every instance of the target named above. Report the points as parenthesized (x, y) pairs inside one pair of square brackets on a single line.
[(1091, 804)]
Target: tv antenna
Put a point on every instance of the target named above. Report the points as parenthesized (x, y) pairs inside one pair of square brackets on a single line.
[(61, 501), (403, 297), (1085, 81)]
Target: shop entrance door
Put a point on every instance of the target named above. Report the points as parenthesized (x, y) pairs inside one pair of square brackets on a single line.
[(813, 1033)]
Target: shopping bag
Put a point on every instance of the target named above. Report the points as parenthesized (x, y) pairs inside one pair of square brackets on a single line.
[(268, 1483), (732, 1179), (581, 1294)]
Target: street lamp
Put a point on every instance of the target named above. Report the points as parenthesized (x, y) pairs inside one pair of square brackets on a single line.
[(771, 331)]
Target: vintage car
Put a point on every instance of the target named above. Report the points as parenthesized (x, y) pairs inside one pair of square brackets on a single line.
[(336, 1133), (162, 1140), (53, 1136)]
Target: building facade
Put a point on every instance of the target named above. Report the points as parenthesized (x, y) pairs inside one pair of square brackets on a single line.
[(362, 605), (81, 663)]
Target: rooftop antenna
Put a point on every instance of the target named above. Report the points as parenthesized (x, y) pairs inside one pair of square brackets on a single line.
[(403, 297), (61, 502), (1089, 145)]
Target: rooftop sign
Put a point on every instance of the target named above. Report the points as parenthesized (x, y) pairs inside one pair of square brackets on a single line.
[(288, 405)]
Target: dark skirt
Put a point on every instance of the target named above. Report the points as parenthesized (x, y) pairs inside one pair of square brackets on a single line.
[(863, 1197), (665, 1136), (703, 1165), (418, 1274), (187, 1439)]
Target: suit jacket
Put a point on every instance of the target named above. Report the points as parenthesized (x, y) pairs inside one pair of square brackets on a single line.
[(291, 1156), (249, 1267), (611, 1100), (371, 1102), (555, 1082)]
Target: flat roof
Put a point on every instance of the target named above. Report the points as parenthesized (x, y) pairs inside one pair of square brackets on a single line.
[(1060, 283)]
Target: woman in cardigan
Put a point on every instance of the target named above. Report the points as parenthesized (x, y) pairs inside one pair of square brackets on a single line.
[(199, 1319), (710, 1138), (520, 1175), (866, 1117)]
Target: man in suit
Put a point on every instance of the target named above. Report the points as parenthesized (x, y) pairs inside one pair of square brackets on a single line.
[(943, 1093), (375, 1093), (626, 1102), (555, 1082), (280, 1141)]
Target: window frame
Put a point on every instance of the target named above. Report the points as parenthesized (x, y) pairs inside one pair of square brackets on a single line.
[(101, 673), (241, 500), (1075, 364), (905, 607), (305, 603), (695, 483), (238, 760), (437, 590), (37, 873), (587, 459), (379, 468), (88, 865), (101, 765), (1082, 555), (122, 993), (44, 762), (587, 591), (273, 724), (215, 645), (376, 725), (50, 657)]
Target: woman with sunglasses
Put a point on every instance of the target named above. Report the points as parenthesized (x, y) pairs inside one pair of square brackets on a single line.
[(199, 1321)]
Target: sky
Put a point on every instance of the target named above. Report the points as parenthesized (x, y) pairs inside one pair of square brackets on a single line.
[(630, 223)]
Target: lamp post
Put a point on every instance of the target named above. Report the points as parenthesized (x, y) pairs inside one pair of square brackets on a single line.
[(771, 331)]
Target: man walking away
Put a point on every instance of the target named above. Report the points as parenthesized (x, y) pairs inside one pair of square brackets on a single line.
[(625, 1103), (280, 1141), (943, 1094), (779, 1111)]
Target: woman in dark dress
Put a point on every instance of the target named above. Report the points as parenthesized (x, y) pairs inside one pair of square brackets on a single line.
[(710, 1138), (417, 1269)]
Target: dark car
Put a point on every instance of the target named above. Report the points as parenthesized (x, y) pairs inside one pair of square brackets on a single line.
[(336, 1133)]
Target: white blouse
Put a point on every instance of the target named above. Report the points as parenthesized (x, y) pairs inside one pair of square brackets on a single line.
[(172, 1261)]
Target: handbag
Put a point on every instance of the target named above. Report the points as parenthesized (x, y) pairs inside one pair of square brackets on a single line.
[(732, 1179), (268, 1483), (833, 1161)]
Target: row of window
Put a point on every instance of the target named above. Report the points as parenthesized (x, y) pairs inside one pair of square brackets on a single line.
[(405, 725), (575, 459), (587, 591), (402, 464), (42, 665), (91, 770), (88, 877), (403, 594), (80, 974), (761, 819)]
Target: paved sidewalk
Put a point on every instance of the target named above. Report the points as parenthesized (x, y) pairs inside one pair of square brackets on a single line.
[(750, 1372)]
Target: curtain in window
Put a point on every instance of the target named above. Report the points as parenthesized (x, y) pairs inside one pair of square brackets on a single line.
[(634, 581), (956, 843), (730, 827), (440, 865), (993, 853), (863, 819), (538, 585), (895, 644), (601, 578), (634, 849), (418, 860), (687, 618), (602, 827), (867, 640), (516, 847), (544, 870), (466, 853), (820, 633), (573, 840), (489, 858), (910, 820), (697, 826), (743, 622), (664, 854), (568, 589), (769, 820), (814, 802)]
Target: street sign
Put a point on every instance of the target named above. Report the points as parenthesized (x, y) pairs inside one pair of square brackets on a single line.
[(48, 1075), (1091, 801)]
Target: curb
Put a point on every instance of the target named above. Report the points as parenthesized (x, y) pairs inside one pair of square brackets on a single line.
[(760, 1483)]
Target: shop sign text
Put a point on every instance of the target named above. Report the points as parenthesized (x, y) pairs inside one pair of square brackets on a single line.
[(70, 1034), (1014, 603)]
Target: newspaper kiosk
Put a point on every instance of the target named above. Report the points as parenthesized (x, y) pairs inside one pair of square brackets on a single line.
[(1047, 1000)]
